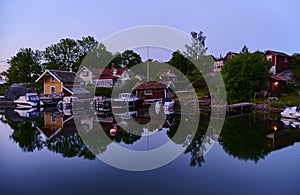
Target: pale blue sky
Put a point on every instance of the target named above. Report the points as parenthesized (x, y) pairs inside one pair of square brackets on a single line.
[(228, 24)]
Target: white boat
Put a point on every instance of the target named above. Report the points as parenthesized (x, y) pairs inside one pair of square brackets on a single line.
[(167, 104), (29, 100), (291, 112), (126, 97), (66, 103), (124, 100)]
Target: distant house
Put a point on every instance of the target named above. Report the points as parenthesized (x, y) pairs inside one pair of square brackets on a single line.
[(230, 55), (3, 79), (61, 83), (88, 74), (280, 61), (154, 90), (218, 65), (277, 84), (167, 75), (106, 77)]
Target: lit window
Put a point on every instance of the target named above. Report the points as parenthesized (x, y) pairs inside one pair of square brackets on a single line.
[(148, 92)]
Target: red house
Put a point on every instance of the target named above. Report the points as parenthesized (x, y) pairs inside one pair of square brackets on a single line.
[(277, 84), (230, 55), (154, 90), (280, 61)]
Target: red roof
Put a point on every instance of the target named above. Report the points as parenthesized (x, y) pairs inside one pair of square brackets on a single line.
[(151, 85), (278, 78), (277, 53), (108, 73)]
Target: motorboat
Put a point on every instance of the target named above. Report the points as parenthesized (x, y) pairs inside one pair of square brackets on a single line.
[(66, 103), (29, 100), (124, 100), (291, 112)]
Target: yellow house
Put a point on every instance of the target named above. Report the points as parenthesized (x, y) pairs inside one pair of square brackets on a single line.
[(61, 83)]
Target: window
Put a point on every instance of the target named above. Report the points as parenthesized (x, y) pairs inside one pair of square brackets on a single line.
[(269, 58), (148, 92), (52, 79), (53, 89), (53, 118), (285, 60), (85, 73)]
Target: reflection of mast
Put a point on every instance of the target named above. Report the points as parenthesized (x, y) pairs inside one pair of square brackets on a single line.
[(148, 72), (148, 61)]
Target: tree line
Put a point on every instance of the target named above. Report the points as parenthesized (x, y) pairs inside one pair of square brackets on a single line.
[(243, 75), (28, 64)]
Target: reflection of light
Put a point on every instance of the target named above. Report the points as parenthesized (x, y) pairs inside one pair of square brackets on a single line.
[(113, 132), (275, 84), (275, 128)]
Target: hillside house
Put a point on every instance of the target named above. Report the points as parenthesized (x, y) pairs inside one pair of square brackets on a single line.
[(280, 61), (106, 77)]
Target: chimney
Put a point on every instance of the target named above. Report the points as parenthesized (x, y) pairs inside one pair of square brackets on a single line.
[(112, 65)]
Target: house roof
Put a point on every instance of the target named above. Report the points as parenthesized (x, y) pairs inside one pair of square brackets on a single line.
[(278, 78), (107, 73), (62, 76), (276, 53), (153, 85), (230, 53), (76, 90)]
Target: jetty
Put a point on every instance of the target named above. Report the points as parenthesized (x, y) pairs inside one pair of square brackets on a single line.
[(239, 109)]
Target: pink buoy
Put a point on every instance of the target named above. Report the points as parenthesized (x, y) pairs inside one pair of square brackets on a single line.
[(113, 132)]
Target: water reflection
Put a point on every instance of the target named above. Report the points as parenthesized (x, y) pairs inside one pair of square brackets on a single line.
[(250, 137), (253, 137)]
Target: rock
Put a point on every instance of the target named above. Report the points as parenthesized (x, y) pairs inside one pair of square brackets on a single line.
[(16, 90)]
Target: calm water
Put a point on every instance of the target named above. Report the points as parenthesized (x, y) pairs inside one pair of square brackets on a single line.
[(42, 153)]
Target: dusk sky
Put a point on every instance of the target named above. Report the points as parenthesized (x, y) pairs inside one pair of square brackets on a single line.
[(228, 25)]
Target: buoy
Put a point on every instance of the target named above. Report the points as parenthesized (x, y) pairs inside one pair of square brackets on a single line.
[(113, 132)]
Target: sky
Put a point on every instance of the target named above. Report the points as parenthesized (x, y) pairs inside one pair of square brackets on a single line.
[(228, 25)]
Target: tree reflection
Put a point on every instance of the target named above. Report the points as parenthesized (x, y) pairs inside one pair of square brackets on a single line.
[(195, 144), (245, 137)]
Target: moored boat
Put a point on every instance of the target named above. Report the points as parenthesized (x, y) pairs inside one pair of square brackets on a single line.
[(124, 100), (291, 112), (29, 100)]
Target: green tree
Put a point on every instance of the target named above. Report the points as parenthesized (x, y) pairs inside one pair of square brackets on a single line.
[(197, 49), (63, 55), (25, 66), (127, 59), (245, 74), (295, 68), (68, 53), (181, 63)]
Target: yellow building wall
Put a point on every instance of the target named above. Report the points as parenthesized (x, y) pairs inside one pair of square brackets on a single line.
[(48, 84)]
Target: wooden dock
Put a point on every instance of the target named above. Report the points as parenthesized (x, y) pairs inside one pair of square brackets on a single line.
[(239, 109)]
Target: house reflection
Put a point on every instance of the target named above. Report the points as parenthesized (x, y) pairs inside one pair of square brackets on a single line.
[(55, 123), (284, 133)]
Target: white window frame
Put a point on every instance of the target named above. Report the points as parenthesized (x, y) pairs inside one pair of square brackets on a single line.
[(148, 92), (52, 79)]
